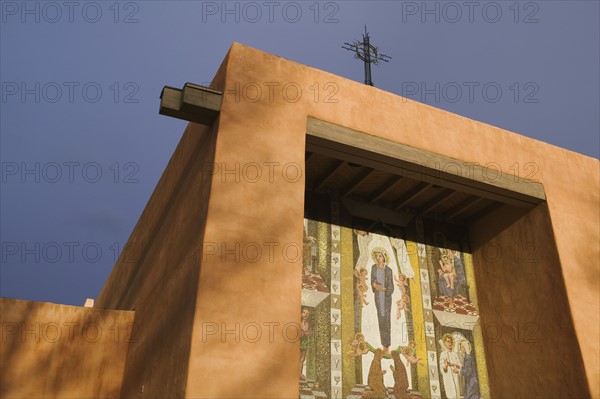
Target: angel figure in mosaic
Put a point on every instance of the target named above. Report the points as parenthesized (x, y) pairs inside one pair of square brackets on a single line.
[(358, 345), (361, 285), (450, 367), (410, 353)]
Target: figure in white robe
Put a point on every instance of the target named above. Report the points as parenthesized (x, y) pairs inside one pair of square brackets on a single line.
[(450, 367)]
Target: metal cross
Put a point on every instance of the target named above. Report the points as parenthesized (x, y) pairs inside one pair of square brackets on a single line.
[(368, 53)]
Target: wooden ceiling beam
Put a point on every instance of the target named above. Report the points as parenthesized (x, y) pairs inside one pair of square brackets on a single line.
[(329, 174), (438, 200), (356, 182), (308, 156), (412, 194), (462, 207), (388, 186), (485, 211)]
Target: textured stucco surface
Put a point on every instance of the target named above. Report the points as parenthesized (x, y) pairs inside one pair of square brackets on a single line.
[(160, 278), (60, 351)]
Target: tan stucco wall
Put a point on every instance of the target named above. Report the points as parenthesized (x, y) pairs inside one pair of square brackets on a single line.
[(159, 277), (60, 351), (272, 129)]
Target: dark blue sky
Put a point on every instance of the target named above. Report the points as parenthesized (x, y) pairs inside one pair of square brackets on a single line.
[(83, 145)]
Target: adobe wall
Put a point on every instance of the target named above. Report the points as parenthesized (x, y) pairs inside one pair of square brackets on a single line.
[(158, 270), (60, 351), (270, 128), (158, 275)]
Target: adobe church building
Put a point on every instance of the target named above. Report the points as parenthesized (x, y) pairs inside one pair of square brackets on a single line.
[(316, 237)]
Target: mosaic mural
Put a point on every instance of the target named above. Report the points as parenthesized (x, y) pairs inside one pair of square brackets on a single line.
[(386, 317)]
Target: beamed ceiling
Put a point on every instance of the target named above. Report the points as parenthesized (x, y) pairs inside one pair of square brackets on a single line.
[(382, 180), (369, 186)]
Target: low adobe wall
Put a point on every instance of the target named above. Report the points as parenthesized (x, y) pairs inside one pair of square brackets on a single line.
[(60, 351)]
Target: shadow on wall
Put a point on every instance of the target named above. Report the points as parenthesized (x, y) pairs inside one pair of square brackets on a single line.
[(51, 350), (535, 352)]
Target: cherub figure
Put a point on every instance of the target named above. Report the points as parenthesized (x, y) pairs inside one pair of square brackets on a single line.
[(401, 282), (447, 270), (361, 285), (401, 304), (410, 353), (358, 345)]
